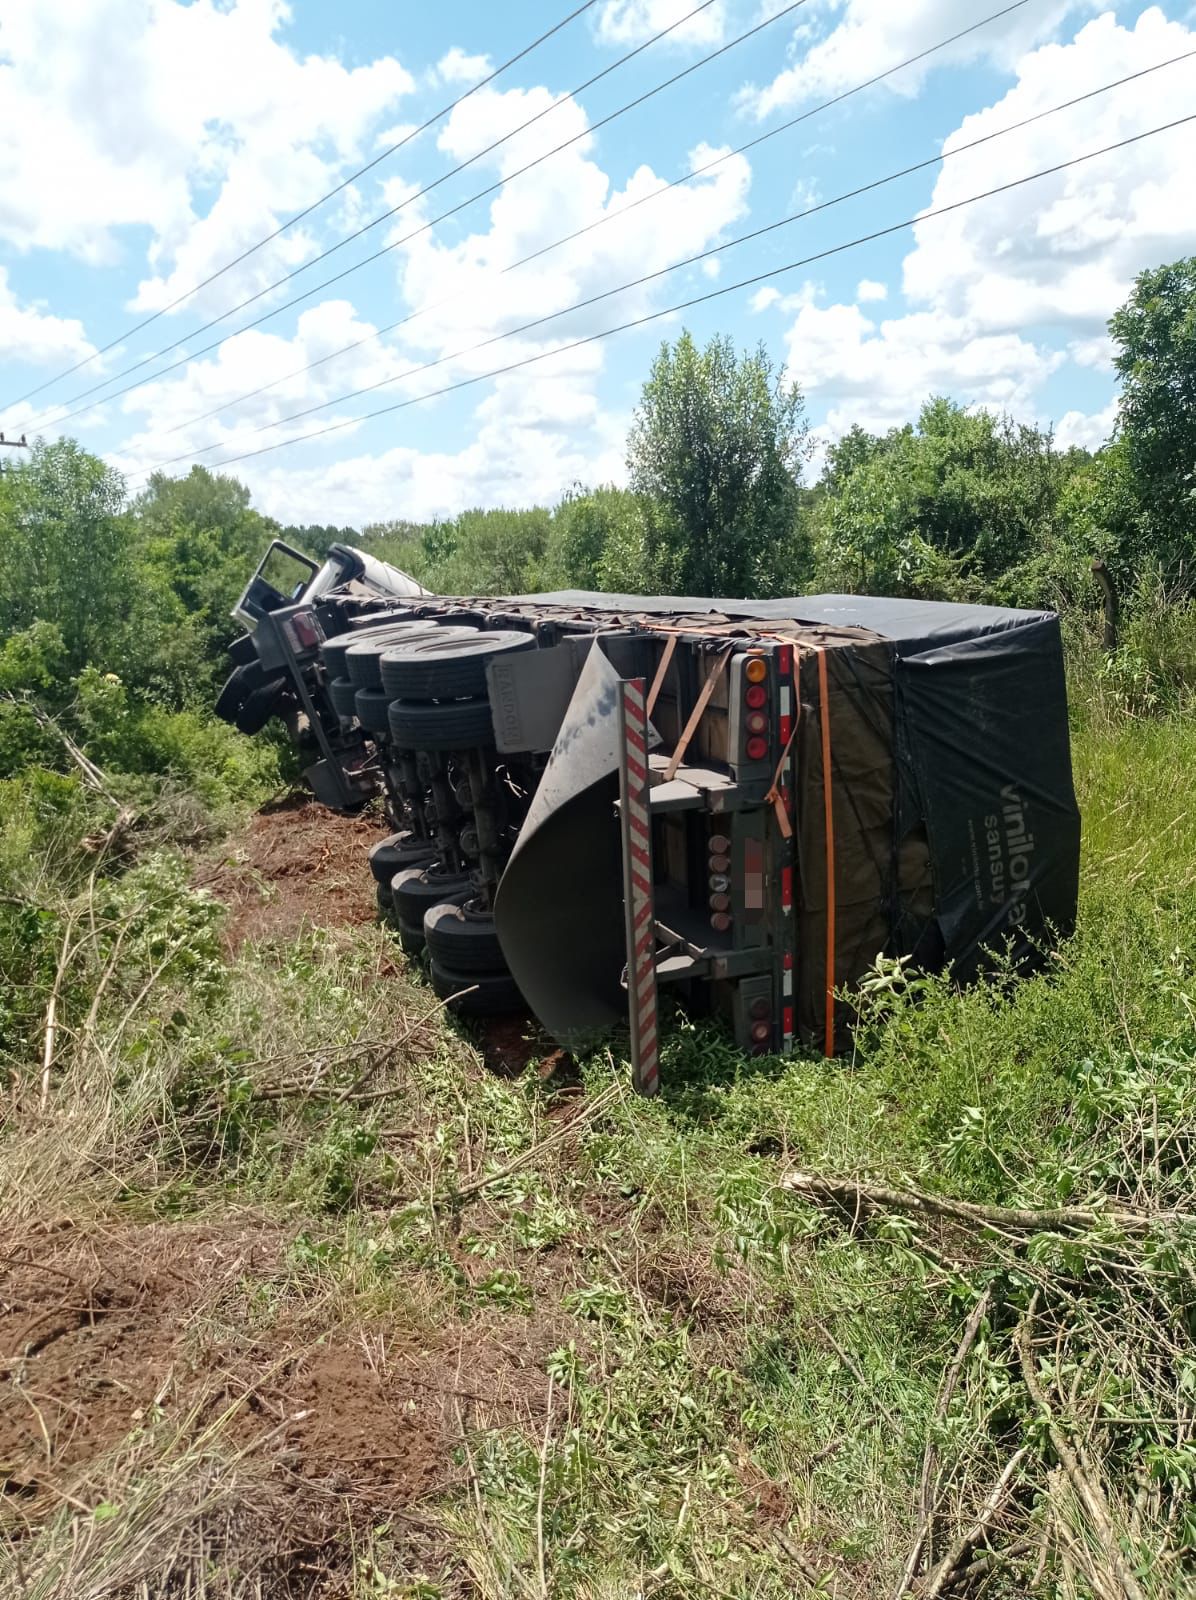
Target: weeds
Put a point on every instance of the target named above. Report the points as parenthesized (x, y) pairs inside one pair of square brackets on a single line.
[(641, 1363)]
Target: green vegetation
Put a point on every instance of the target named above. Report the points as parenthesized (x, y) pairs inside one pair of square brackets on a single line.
[(301, 1298)]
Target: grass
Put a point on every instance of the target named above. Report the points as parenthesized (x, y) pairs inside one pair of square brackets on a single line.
[(646, 1367)]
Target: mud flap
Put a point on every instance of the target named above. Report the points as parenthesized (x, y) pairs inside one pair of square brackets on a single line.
[(559, 910)]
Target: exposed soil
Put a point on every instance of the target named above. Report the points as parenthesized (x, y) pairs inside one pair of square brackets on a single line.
[(296, 865), (108, 1331), (188, 1326)]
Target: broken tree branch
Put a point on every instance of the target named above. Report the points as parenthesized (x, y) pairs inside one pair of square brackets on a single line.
[(1086, 1491), (857, 1197), (928, 1496), (995, 1501)]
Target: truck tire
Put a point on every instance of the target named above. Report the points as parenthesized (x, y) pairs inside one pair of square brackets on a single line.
[(463, 940), (417, 889), (397, 853), (371, 707), (455, 725), (487, 994), (362, 660), (332, 651), (444, 668), (238, 686), (273, 699), (341, 692), (411, 940)]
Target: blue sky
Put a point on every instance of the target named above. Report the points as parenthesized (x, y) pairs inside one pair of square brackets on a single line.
[(152, 141)]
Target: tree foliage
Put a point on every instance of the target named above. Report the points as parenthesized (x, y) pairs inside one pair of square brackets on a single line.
[(959, 505), (717, 446), (66, 554), (1151, 474)]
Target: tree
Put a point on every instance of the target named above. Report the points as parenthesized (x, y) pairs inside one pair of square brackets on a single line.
[(66, 556), (717, 443), (965, 505), (1155, 335), (199, 541), (600, 540)]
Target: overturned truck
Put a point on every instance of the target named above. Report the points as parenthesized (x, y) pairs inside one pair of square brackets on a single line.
[(592, 795)]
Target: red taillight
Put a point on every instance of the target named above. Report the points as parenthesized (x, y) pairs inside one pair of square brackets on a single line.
[(756, 697), (761, 1032), (760, 1008), (720, 863), (720, 845), (757, 749), (720, 902), (720, 922)]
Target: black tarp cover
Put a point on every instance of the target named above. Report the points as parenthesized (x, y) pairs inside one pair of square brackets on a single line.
[(957, 828)]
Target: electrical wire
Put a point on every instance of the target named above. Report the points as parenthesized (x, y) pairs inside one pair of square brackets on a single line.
[(756, 233), (607, 216), (307, 210), (424, 228), (702, 299), (384, 216)]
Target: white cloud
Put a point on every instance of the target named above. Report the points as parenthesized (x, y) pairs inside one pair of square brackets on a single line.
[(246, 362), (463, 286), (630, 22), (1096, 352), (128, 113), (535, 437), (1056, 257), (31, 335), (878, 374), (868, 289), (534, 432), (455, 66), (764, 298), (1065, 249), (492, 114), (1089, 432), (860, 38)]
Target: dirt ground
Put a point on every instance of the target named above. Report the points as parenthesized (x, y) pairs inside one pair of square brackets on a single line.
[(296, 865), (299, 865), (113, 1331), (186, 1329)]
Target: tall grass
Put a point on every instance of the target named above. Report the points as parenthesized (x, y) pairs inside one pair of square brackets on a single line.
[(737, 1389)]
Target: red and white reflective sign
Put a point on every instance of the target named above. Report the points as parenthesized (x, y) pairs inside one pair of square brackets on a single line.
[(638, 898)]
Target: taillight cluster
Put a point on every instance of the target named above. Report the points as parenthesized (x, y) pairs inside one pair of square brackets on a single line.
[(756, 700), (760, 1012), (719, 881)]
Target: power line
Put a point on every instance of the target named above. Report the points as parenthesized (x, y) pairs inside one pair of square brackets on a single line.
[(745, 238), (375, 222), (587, 132), (607, 216), (702, 299), (307, 210)]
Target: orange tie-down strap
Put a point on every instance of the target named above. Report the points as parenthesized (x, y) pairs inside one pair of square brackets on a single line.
[(777, 800)]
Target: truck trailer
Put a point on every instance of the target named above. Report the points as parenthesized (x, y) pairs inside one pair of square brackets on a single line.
[(749, 801)]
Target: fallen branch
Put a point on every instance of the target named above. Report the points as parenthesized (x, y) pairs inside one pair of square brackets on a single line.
[(378, 1055), (1086, 1491), (858, 1198), (928, 1497), (471, 1190), (50, 1034), (995, 1501)]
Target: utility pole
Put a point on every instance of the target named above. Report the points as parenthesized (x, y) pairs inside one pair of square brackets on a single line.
[(13, 444)]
